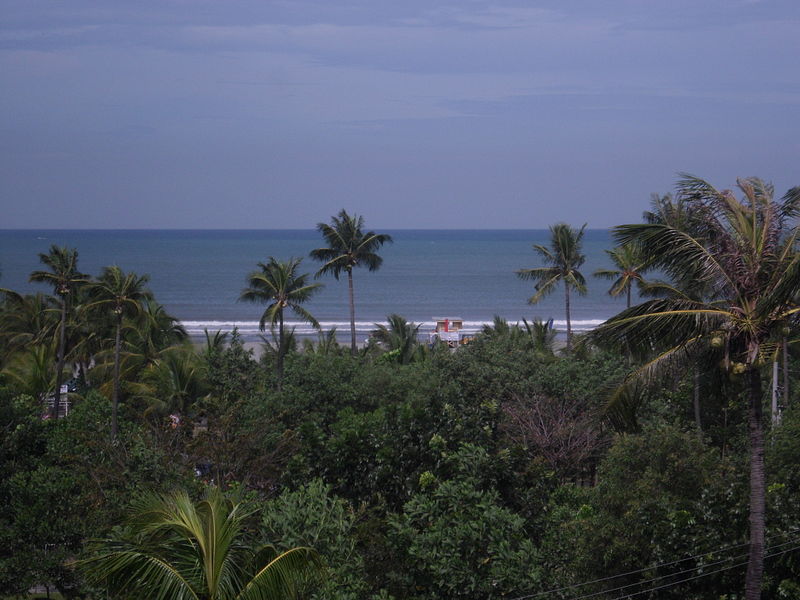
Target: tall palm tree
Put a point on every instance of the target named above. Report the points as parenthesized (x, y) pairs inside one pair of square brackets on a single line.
[(563, 259), (745, 253), (64, 277), (281, 287), (629, 266), (122, 294), (180, 550), (349, 247)]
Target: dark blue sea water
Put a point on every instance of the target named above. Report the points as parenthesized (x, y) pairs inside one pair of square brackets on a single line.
[(198, 275)]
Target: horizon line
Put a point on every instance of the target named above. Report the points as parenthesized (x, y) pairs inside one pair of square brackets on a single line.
[(6, 229)]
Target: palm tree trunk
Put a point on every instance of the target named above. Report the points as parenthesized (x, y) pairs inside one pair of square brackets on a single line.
[(115, 397), (785, 374), (629, 295), (62, 342), (569, 323), (281, 350), (696, 399), (755, 565), (352, 313)]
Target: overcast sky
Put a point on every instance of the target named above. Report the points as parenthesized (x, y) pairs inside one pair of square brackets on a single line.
[(462, 114)]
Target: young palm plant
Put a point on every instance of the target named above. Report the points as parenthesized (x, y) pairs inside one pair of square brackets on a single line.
[(280, 286), (65, 278), (176, 549), (399, 337), (121, 294), (349, 247), (744, 253), (563, 259)]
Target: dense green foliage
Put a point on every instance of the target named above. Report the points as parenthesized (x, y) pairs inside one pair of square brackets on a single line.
[(502, 469)]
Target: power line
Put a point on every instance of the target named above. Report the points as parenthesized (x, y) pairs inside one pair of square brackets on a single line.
[(650, 568), (661, 587), (683, 572)]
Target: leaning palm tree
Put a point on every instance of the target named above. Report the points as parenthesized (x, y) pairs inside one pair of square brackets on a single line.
[(349, 247), (745, 254), (177, 549), (65, 278), (123, 295), (629, 265), (280, 286), (563, 259)]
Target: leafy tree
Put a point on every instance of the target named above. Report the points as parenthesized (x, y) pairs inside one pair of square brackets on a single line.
[(455, 540), (64, 277), (629, 265), (662, 496), (349, 247), (176, 548), (745, 252), (279, 285), (563, 259), (122, 293), (313, 516)]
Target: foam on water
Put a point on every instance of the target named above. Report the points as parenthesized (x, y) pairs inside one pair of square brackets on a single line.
[(250, 329)]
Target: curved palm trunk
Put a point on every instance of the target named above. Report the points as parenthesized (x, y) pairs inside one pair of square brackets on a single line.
[(62, 343), (281, 350), (352, 313), (755, 565), (115, 397), (569, 322)]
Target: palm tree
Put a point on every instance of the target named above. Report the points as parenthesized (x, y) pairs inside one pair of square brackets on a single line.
[(400, 337), (629, 266), (563, 258), (279, 285), (744, 253), (542, 335), (176, 549), (64, 277), (326, 344), (349, 247), (26, 320), (123, 293)]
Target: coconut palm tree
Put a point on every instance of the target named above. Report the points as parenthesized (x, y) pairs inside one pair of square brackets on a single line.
[(349, 247), (280, 286), (27, 320), (745, 254), (629, 266), (64, 277), (122, 294), (563, 259), (176, 549)]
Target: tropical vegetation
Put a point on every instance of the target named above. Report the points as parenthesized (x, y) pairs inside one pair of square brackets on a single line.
[(504, 468)]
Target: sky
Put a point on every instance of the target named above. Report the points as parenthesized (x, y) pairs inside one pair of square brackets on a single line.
[(415, 114)]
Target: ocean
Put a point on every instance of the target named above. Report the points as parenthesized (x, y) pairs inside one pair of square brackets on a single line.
[(199, 274)]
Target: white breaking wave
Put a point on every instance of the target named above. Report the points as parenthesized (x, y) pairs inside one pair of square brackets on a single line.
[(250, 328)]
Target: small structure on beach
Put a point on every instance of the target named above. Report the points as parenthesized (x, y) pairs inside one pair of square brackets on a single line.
[(449, 331)]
